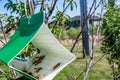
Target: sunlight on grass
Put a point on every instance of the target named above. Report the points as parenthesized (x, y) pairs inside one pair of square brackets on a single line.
[(100, 71)]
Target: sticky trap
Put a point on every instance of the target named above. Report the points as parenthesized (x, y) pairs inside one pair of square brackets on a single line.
[(49, 57)]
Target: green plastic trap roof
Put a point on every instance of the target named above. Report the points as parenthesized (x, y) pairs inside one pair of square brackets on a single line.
[(27, 29)]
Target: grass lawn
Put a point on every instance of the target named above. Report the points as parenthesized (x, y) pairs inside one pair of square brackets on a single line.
[(100, 71)]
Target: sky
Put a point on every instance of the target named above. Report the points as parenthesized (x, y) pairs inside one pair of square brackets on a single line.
[(58, 7)]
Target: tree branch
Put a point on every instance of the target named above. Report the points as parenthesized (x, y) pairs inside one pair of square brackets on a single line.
[(88, 69), (89, 15), (2, 28), (42, 5), (61, 15), (1, 71), (83, 27), (52, 8)]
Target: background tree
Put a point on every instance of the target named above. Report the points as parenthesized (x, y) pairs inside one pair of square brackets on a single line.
[(111, 44)]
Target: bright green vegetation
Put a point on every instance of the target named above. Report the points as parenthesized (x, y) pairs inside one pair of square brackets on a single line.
[(100, 71), (5, 69), (111, 45)]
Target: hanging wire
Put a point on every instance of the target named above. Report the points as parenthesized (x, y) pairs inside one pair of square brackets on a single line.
[(25, 7), (31, 6), (27, 1), (2, 28), (25, 4)]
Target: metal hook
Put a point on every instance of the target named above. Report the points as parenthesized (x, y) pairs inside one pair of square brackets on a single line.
[(29, 17)]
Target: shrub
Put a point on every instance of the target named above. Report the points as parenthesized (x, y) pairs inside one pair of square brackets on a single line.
[(73, 32), (111, 32)]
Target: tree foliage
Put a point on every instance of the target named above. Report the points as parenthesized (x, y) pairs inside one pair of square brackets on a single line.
[(111, 32), (15, 7), (61, 24), (64, 19), (72, 5)]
